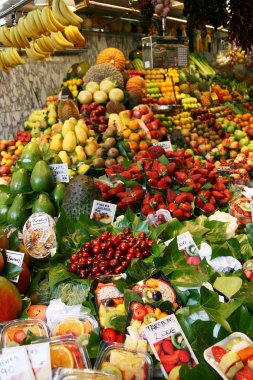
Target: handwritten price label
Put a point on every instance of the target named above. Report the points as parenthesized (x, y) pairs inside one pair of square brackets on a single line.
[(39, 355), (60, 172), (16, 258), (103, 212), (15, 364), (184, 240), (166, 145)]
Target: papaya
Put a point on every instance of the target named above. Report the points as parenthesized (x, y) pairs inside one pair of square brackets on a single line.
[(69, 142), (64, 157), (17, 214), (20, 182), (44, 204), (56, 142), (5, 200), (42, 179), (10, 300), (81, 155), (58, 194), (67, 127), (81, 134), (30, 155)]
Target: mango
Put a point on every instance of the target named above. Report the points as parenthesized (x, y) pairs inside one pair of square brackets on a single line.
[(81, 135), (10, 301), (56, 143), (69, 142), (81, 155), (67, 127), (64, 157), (73, 120), (91, 146), (82, 169), (82, 124)]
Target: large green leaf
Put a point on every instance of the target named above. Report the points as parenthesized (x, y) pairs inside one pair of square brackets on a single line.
[(199, 372), (240, 320), (131, 296), (246, 246), (139, 270), (217, 230), (228, 285), (230, 247), (216, 310), (245, 294)]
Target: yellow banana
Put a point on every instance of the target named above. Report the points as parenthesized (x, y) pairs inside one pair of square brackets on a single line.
[(33, 55), (57, 13), (18, 38), (16, 57), (30, 27), (22, 35), (37, 22), (48, 43), (8, 59), (4, 36), (57, 24), (69, 35), (46, 20), (22, 30), (39, 51), (77, 34), (37, 17), (2, 65), (68, 14), (43, 46), (59, 40), (13, 38)]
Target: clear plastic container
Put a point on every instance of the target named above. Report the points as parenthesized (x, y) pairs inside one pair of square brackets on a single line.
[(234, 358), (125, 364), (240, 208), (65, 352), (39, 235), (77, 374), (19, 329), (72, 325)]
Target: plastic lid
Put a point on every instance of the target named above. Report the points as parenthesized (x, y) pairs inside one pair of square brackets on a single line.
[(14, 332), (77, 374), (124, 363)]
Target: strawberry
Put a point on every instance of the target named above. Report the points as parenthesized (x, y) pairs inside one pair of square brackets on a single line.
[(196, 177), (105, 197), (170, 196), (141, 155), (186, 215), (137, 176), (103, 186), (227, 194), (128, 201), (147, 198), (202, 180), (219, 186), (212, 200), (172, 207), (155, 166), (217, 194), (208, 207), (126, 174), (197, 186), (181, 177), (156, 151), (152, 182), (147, 165), (147, 209), (162, 206), (162, 184), (119, 187), (123, 194), (138, 194), (171, 168), (109, 335), (181, 198), (189, 197), (178, 214), (152, 174), (185, 207), (158, 198), (189, 163), (162, 169), (112, 192), (209, 166), (134, 168), (199, 202)]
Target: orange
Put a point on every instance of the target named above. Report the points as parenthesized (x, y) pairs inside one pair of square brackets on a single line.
[(143, 145), (61, 357), (134, 137), (133, 145), (246, 116), (133, 125), (70, 325), (126, 133), (251, 120), (87, 326), (142, 134)]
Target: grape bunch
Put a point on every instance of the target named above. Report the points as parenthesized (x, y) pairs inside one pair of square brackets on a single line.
[(162, 7), (110, 254)]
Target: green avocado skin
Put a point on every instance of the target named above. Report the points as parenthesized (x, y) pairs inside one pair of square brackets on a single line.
[(4, 206), (58, 193), (20, 182), (42, 179), (31, 154), (44, 204), (17, 214)]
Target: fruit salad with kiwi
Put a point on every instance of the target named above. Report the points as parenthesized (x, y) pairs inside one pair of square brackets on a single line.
[(110, 305), (241, 209), (140, 315), (235, 358), (156, 288), (125, 364)]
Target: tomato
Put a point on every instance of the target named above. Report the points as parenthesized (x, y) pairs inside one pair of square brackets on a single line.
[(218, 352), (139, 313)]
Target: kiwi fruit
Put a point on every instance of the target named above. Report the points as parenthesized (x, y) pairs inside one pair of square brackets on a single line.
[(110, 316), (120, 159), (149, 318), (112, 370), (110, 162), (100, 152), (99, 162), (113, 153), (109, 143)]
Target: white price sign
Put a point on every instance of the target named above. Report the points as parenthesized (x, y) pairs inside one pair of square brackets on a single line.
[(184, 240), (103, 212), (16, 258), (39, 355), (15, 364), (166, 145), (60, 172)]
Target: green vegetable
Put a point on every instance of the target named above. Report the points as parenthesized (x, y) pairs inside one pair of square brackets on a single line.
[(70, 292), (202, 65)]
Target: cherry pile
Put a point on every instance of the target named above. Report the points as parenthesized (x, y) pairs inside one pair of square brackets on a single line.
[(109, 254)]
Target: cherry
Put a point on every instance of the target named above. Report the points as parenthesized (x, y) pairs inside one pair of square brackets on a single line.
[(143, 245), (125, 264), (74, 258), (129, 256), (138, 255), (104, 247), (117, 255), (83, 274), (126, 231), (82, 260), (124, 247), (150, 243), (73, 268), (96, 241), (105, 235), (115, 241), (90, 261), (94, 270), (108, 272), (142, 235), (131, 251), (81, 266), (103, 266), (113, 263), (100, 257), (87, 246), (96, 249), (118, 269), (86, 255), (146, 253), (131, 244)]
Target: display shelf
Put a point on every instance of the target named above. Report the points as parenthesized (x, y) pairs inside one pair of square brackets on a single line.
[(101, 30)]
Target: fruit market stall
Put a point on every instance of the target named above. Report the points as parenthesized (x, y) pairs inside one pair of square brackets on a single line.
[(126, 218)]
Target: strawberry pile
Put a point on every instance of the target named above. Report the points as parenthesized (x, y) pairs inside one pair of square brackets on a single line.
[(172, 181)]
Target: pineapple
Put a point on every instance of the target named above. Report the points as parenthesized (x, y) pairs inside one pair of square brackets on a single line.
[(184, 87), (204, 100)]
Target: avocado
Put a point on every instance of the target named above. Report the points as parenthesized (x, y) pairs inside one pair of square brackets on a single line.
[(31, 154), (20, 182), (58, 194), (17, 214), (110, 316), (44, 204), (5, 200), (42, 179)]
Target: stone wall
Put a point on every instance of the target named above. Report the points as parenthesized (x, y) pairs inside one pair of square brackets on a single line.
[(27, 86)]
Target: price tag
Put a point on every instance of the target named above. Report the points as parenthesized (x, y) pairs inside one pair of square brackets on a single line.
[(167, 331), (60, 172), (15, 364), (147, 64), (184, 241), (39, 355), (39, 221), (166, 145), (186, 244), (103, 212), (16, 258)]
